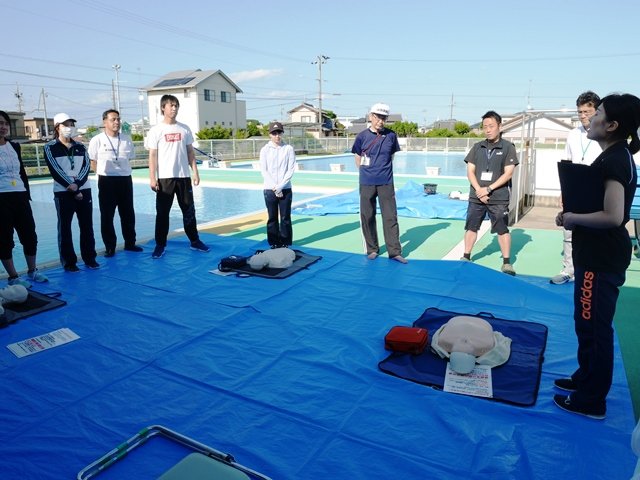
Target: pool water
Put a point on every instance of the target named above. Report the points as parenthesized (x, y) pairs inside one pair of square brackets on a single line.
[(211, 204), (412, 163)]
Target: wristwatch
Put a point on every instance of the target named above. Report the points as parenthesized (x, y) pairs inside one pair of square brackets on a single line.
[(489, 190)]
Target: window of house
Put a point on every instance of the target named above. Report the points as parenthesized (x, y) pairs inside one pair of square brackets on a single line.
[(306, 119), (225, 97), (209, 95)]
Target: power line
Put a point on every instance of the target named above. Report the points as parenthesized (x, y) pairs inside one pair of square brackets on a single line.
[(487, 60)]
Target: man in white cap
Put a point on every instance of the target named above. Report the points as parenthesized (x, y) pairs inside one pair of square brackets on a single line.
[(374, 149), (69, 166)]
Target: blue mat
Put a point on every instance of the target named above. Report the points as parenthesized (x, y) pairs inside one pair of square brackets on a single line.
[(411, 202), (283, 374), (516, 381)]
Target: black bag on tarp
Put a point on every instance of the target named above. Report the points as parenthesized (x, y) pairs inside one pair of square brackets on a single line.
[(230, 263)]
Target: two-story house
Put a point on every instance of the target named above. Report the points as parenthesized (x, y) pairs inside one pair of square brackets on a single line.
[(207, 98), (305, 117)]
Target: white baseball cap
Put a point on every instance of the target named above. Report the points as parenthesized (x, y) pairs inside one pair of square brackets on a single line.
[(61, 118), (380, 109)]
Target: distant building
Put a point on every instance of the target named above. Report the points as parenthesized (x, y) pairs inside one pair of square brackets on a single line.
[(305, 118), (546, 127), (207, 98), (17, 130), (34, 128), (355, 125)]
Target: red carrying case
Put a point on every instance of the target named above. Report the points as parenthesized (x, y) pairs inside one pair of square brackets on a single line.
[(406, 339)]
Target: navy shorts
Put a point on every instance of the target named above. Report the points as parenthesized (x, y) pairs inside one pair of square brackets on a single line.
[(498, 214)]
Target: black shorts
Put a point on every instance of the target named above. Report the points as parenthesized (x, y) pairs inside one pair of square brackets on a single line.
[(498, 214)]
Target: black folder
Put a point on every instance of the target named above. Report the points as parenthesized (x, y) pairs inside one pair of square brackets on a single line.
[(582, 187)]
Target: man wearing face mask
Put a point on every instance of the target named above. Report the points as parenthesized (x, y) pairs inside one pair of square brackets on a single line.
[(69, 166)]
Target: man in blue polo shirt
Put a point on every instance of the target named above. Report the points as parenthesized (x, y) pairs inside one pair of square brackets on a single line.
[(374, 149)]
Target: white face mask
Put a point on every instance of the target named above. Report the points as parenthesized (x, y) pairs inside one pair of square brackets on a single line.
[(67, 132)]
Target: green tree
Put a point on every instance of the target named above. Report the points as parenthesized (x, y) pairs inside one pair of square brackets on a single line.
[(404, 129), (462, 128), (440, 132), (253, 128), (217, 132), (137, 137)]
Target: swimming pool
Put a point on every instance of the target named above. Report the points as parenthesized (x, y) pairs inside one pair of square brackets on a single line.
[(412, 163), (211, 204)]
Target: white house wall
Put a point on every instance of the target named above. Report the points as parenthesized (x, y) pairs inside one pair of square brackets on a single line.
[(188, 112), (198, 113)]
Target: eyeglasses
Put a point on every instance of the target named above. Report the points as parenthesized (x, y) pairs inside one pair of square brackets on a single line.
[(381, 117), (277, 132)]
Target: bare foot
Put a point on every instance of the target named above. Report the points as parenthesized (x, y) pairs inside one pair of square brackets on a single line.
[(400, 258), (372, 256)]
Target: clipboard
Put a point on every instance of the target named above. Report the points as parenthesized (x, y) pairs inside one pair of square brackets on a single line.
[(582, 187)]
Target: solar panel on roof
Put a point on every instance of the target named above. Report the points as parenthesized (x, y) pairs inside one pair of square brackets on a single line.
[(172, 82)]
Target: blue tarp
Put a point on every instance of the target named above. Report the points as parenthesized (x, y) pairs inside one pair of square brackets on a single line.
[(411, 202), (284, 375)]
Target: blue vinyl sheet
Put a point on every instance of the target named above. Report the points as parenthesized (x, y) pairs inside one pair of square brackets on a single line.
[(284, 374), (410, 199)]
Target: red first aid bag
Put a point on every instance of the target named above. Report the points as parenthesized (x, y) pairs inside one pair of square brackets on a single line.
[(406, 339)]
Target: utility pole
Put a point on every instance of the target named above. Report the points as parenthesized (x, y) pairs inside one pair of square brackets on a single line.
[(19, 97), (320, 60), (44, 105), (451, 109), (117, 88), (141, 98)]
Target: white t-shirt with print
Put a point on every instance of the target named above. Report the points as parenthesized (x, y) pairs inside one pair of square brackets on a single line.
[(171, 141)]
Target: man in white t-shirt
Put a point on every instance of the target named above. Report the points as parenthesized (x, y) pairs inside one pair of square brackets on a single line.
[(170, 156), (578, 149), (110, 153)]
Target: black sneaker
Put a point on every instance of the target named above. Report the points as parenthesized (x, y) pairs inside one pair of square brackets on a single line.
[(158, 252), (71, 267), (564, 402), (133, 248), (109, 252), (198, 246), (566, 384), (93, 265)]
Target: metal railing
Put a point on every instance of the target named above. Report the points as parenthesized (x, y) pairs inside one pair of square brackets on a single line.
[(249, 149)]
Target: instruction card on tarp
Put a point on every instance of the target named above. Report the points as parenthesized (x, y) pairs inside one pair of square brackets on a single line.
[(42, 342), (476, 383)]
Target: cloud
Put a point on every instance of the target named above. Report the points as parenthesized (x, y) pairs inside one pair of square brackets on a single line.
[(259, 74)]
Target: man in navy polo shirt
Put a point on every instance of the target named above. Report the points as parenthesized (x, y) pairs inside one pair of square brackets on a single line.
[(490, 166), (374, 149)]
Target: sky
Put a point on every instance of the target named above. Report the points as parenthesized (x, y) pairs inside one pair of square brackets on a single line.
[(429, 60)]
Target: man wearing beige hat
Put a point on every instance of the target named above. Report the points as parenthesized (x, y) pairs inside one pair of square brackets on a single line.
[(69, 166), (374, 149)]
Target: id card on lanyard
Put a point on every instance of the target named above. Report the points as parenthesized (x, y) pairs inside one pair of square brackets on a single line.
[(365, 160), (487, 174)]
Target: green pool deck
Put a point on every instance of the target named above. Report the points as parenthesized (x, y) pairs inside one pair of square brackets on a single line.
[(536, 242)]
